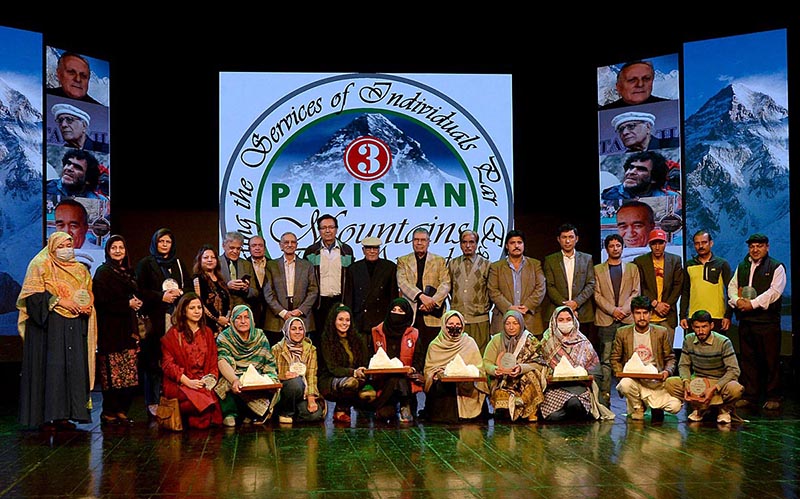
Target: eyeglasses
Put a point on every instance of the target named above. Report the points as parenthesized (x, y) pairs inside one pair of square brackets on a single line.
[(629, 126), (327, 227), (66, 119)]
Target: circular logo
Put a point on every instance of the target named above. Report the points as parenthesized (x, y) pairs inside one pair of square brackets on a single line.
[(367, 158)]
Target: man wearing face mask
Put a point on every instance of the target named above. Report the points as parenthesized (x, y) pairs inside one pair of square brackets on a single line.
[(445, 401), (59, 289)]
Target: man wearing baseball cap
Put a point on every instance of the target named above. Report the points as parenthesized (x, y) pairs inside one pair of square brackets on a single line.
[(755, 292), (73, 123), (661, 275), (635, 130)]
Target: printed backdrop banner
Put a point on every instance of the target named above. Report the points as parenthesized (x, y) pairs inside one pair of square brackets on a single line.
[(383, 153)]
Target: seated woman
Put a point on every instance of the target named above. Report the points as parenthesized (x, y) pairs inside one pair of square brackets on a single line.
[(189, 354), (516, 380), (398, 338), (240, 345), (344, 355), (297, 369), (570, 401), (449, 402)]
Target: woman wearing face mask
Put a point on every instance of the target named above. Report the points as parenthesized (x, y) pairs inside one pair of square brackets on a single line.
[(516, 380), (398, 338), (117, 350), (58, 327), (449, 402), (296, 358), (570, 401)]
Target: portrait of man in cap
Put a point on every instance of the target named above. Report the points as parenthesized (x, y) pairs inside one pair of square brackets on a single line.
[(635, 130), (73, 123)]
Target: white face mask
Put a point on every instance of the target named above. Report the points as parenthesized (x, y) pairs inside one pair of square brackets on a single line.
[(565, 327), (65, 254)]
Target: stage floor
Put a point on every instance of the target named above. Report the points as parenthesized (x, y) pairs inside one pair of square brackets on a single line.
[(619, 459)]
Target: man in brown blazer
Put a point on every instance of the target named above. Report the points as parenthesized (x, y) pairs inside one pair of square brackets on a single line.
[(653, 347), (666, 268), (616, 283), (530, 282)]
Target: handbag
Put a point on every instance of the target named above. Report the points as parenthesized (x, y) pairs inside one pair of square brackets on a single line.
[(169, 414), (145, 325)]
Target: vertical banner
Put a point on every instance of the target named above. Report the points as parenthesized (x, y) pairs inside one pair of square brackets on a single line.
[(737, 146), (20, 164), (383, 153), (78, 169)]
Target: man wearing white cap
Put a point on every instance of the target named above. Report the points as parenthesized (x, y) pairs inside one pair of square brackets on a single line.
[(73, 123), (374, 286), (635, 130)]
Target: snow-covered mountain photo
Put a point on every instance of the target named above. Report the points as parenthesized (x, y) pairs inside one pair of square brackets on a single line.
[(737, 172)]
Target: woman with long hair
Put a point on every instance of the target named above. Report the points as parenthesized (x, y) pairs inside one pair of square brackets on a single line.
[(210, 286), (190, 364)]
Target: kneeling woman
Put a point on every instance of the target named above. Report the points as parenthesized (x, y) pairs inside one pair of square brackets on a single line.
[(344, 355), (297, 369), (516, 380), (449, 402), (189, 353), (240, 345), (570, 401)]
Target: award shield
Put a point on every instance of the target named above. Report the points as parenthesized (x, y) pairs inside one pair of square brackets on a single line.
[(748, 292), (82, 297), (169, 284), (298, 368), (697, 387), (507, 361), (209, 381)]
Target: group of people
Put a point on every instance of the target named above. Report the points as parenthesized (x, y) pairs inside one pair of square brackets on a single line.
[(313, 323)]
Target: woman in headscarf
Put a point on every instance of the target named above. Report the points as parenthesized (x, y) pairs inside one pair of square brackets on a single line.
[(517, 382), (398, 338), (162, 279), (569, 401), (449, 402), (58, 326), (116, 300), (240, 345), (211, 286), (344, 355), (297, 370), (190, 364)]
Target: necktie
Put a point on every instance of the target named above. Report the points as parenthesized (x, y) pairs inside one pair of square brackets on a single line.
[(232, 268)]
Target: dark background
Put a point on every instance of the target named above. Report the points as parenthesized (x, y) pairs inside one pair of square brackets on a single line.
[(164, 84)]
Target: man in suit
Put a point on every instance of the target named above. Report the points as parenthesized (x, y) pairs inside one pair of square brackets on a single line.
[(374, 287), (331, 259), (615, 284), (258, 258), (661, 274), (424, 281), (238, 272), (569, 278), (292, 289), (651, 343), (516, 282)]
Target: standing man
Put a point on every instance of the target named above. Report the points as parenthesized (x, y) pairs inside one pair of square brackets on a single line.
[(331, 259), (661, 275), (516, 282), (374, 287), (708, 355), (569, 277), (705, 284), (424, 281), (755, 291), (469, 276), (258, 258), (616, 283), (651, 343), (292, 290), (238, 272)]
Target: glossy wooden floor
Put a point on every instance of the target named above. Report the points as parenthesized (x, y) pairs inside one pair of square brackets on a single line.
[(676, 458)]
